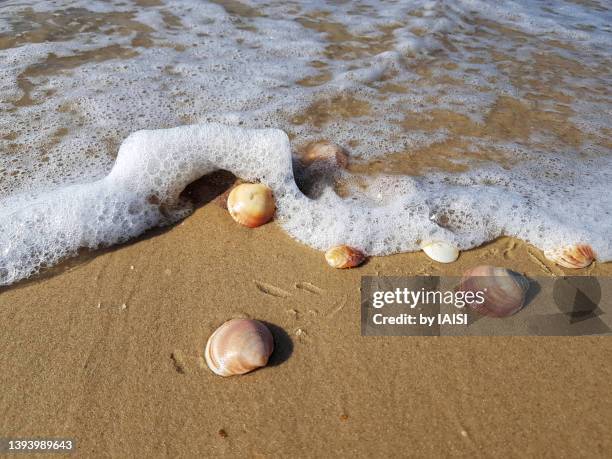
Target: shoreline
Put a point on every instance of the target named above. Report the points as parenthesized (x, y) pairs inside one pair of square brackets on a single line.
[(213, 188), (504, 250)]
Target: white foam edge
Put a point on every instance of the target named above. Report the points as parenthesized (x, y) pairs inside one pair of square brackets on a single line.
[(155, 166)]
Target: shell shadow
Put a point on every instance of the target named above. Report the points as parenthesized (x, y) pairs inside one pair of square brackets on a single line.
[(532, 291), (315, 179), (283, 345), (210, 187)]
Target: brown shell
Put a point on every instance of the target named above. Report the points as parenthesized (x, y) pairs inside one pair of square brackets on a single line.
[(343, 257), (251, 204), (325, 151), (503, 291), (239, 346)]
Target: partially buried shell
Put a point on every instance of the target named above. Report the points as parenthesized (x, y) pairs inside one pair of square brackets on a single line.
[(572, 256), (496, 292), (343, 256), (325, 151), (239, 346), (440, 251), (251, 204)]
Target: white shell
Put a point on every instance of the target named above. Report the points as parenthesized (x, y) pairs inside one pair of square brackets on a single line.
[(238, 346), (440, 251)]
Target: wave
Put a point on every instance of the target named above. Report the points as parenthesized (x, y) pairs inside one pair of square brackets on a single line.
[(153, 167)]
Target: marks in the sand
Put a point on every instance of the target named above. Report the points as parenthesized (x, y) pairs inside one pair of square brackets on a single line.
[(278, 292), (299, 315), (110, 307), (309, 288), (307, 306), (338, 306), (508, 249), (536, 259), (178, 361), (185, 364), (301, 334), (271, 290)]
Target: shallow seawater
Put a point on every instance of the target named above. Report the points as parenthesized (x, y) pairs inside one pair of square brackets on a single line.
[(491, 117)]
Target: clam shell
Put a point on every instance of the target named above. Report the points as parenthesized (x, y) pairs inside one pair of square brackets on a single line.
[(440, 251), (343, 256), (238, 346), (251, 204), (325, 151), (502, 291), (572, 256)]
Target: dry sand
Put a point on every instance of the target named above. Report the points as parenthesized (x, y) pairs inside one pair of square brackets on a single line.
[(109, 351)]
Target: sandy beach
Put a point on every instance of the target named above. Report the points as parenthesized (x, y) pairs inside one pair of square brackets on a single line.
[(443, 122), (109, 351)]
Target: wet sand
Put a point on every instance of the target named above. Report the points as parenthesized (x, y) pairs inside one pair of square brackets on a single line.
[(108, 351)]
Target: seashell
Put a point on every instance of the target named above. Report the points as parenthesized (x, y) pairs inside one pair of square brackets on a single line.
[(343, 256), (325, 151), (440, 251), (251, 204), (572, 256), (498, 292), (238, 346)]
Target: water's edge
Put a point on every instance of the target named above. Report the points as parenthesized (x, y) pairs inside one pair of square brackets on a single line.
[(143, 189)]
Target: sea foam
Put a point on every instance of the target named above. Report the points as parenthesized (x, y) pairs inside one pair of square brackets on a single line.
[(152, 168)]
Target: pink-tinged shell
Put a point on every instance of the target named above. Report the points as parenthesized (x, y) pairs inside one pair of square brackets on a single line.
[(325, 151), (503, 291), (238, 346), (343, 256), (573, 256), (251, 204)]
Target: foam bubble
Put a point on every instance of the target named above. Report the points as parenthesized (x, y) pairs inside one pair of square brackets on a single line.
[(153, 167)]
